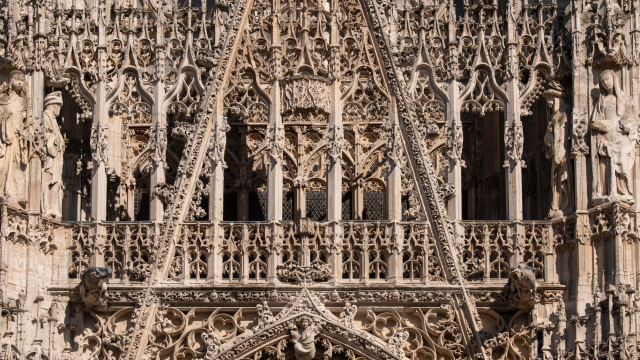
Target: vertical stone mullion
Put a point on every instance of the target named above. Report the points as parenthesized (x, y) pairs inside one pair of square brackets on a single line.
[(487, 256), (243, 191), (159, 123), (185, 254), (244, 253), (213, 258), (454, 142), (335, 132), (300, 208), (513, 126), (273, 260), (334, 152), (99, 132), (275, 129), (275, 145), (216, 156)]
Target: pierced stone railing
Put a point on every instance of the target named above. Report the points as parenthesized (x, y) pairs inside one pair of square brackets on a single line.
[(355, 252), (488, 249), (126, 247)]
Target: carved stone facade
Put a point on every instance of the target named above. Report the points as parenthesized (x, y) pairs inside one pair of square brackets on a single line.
[(318, 179)]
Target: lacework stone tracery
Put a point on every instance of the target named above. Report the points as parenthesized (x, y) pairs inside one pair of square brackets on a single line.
[(304, 179)]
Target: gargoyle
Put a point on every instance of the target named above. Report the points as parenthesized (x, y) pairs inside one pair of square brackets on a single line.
[(93, 285), (523, 285)]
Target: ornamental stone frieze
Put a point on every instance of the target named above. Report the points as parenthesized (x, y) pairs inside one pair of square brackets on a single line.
[(305, 93), (319, 179)]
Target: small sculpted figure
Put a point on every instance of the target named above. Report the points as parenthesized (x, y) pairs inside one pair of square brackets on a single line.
[(16, 137), (304, 339), (561, 172), (213, 343), (615, 132)]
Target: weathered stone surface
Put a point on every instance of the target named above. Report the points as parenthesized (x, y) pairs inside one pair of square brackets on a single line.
[(304, 179)]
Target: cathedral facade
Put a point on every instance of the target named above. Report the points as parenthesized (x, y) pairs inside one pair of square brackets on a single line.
[(170, 172)]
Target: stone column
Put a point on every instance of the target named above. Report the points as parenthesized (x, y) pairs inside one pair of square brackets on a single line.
[(275, 147), (395, 153), (513, 136), (35, 165), (275, 129), (454, 142), (550, 273), (580, 334), (581, 101), (513, 163), (300, 204), (216, 151), (99, 131), (214, 268), (634, 90), (214, 274), (335, 143), (158, 142)]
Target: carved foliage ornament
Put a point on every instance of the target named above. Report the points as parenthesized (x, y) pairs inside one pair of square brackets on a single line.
[(305, 93)]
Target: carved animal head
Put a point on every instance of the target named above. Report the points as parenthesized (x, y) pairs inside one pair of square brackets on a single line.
[(523, 277), (92, 277)]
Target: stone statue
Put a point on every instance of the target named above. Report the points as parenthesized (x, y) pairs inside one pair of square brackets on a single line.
[(265, 317), (93, 285), (561, 172), (53, 151), (16, 136), (304, 339), (523, 285), (213, 343), (615, 132), (348, 315), (396, 342)]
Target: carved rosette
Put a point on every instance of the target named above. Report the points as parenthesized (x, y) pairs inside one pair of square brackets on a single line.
[(305, 93)]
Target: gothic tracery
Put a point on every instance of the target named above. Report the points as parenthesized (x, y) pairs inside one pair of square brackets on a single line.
[(306, 179)]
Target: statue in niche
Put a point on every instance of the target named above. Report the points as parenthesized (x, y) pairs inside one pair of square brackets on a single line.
[(304, 338), (53, 159), (16, 138), (561, 172), (615, 132)]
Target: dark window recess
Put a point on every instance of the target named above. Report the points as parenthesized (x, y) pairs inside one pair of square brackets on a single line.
[(192, 3), (230, 206), (373, 203), (346, 205), (141, 206), (317, 205), (465, 204), (405, 207), (258, 205), (287, 205)]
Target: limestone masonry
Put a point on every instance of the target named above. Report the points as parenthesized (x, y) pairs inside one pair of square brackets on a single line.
[(319, 179)]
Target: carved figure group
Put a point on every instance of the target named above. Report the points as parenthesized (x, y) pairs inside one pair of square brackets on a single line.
[(615, 132)]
